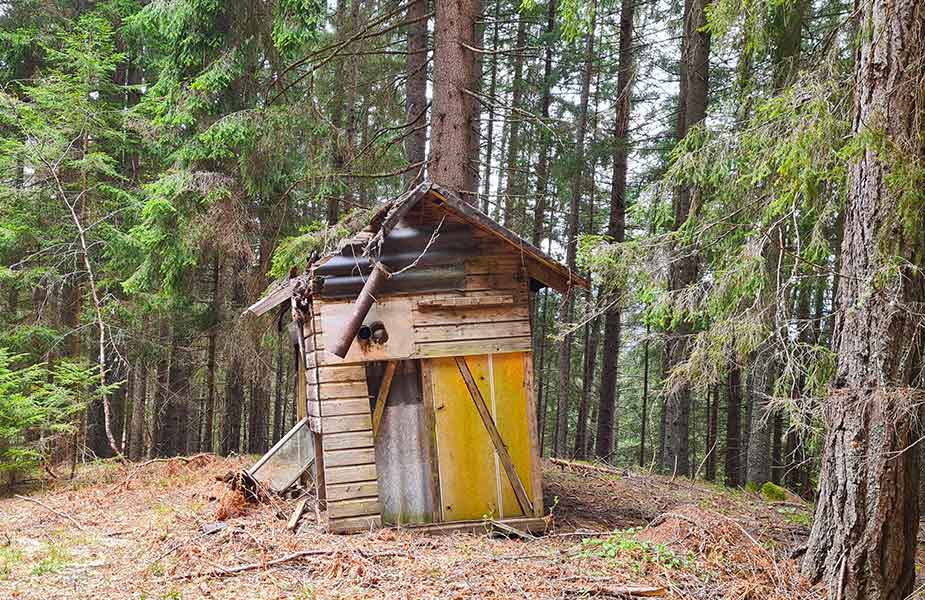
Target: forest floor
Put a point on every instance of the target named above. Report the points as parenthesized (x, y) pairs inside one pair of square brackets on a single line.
[(137, 531)]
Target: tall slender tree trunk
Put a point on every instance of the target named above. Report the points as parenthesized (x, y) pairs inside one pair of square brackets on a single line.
[(514, 191), (712, 431), (416, 89), (644, 418), (616, 229), (587, 387), (683, 271), (733, 425), (208, 426), (571, 241), (863, 540), (542, 168), (490, 125), (176, 413), (137, 438), (162, 372), (454, 116)]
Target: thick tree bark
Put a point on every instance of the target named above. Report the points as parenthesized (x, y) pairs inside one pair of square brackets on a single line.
[(758, 457), (454, 116), (863, 540), (683, 271), (571, 241), (733, 425), (616, 229)]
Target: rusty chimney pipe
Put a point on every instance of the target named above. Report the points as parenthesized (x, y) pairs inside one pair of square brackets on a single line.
[(361, 306)]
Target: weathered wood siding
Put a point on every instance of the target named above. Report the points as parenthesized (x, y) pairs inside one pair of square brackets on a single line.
[(489, 313)]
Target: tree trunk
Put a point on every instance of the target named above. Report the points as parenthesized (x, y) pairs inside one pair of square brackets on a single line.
[(863, 540), (416, 89), (643, 426), (571, 241), (758, 461), (208, 427), (137, 441), (454, 116), (490, 126), (733, 425), (712, 432), (683, 271), (176, 411), (514, 191), (542, 169), (162, 371), (587, 385), (616, 229), (278, 391)]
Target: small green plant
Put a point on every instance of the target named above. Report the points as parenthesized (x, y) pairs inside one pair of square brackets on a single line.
[(622, 546), (55, 561), (796, 515), (8, 558)]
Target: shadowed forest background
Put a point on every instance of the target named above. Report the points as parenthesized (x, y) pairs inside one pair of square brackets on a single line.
[(163, 163)]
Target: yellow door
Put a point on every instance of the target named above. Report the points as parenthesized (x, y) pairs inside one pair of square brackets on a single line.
[(473, 483)]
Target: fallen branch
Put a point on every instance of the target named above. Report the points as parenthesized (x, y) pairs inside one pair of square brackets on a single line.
[(57, 512), (577, 465), (226, 571)]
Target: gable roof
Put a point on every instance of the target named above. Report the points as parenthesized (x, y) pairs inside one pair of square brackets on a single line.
[(540, 266)]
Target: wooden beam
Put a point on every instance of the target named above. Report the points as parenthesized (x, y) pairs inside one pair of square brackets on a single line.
[(383, 395), (296, 515), (536, 464), (519, 490), (430, 420)]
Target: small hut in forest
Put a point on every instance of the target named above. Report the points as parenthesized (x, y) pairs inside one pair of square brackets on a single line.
[(414, 347)]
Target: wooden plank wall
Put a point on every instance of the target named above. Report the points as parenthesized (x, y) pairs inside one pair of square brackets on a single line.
[(340, 411), (483, 325)]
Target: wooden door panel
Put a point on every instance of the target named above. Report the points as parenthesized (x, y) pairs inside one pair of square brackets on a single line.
[(466, 458)]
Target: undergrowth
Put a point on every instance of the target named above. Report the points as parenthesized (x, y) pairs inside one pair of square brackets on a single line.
[(637, 554)]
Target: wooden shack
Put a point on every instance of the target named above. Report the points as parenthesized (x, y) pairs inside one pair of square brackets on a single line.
[(415, 341)]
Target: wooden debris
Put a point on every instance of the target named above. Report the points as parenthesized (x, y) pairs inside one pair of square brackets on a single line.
[(226, 571), (296, 515), (569, 464), (511, 530), (50, 509)]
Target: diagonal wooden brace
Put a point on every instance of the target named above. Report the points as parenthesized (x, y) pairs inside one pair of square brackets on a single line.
[(519, 490)]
